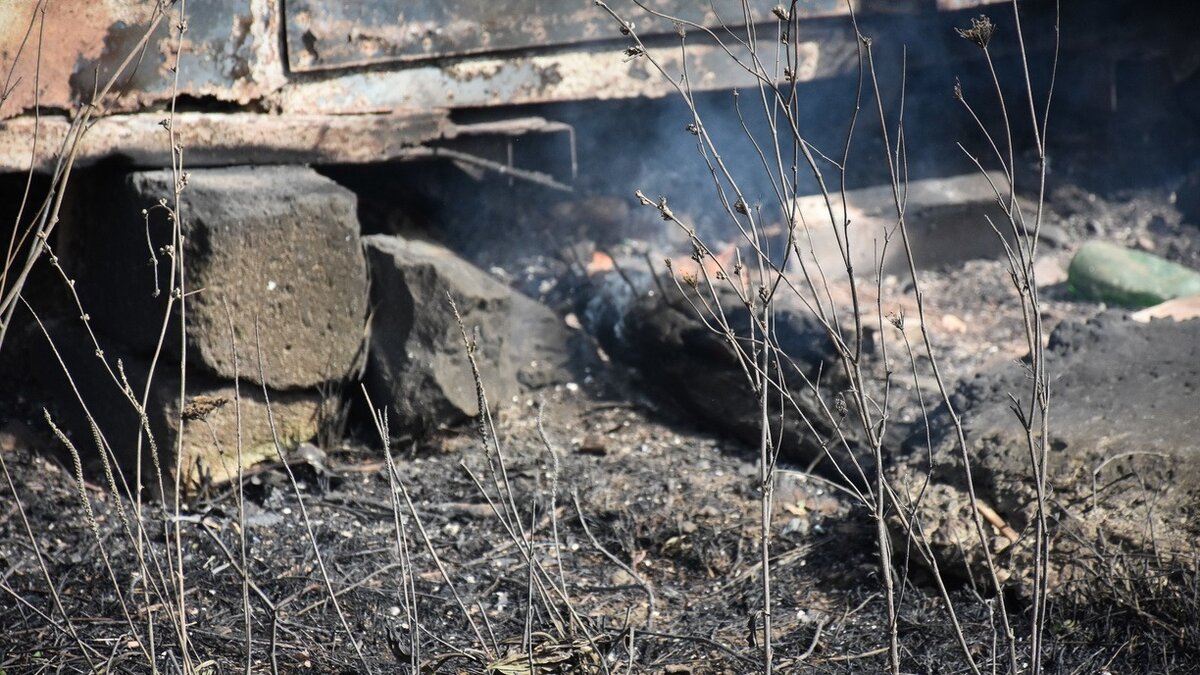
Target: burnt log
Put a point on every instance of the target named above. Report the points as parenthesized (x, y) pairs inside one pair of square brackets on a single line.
[(693, 365)]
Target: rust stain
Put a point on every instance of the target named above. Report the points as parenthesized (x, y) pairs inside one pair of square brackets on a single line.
[(84, 41), (220, 139), (64, 34)]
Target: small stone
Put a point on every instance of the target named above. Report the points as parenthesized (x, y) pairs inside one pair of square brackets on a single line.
[(307, 453), (953, 324), (594, 444), (621, 578), (1049, 271), (1179, 309)]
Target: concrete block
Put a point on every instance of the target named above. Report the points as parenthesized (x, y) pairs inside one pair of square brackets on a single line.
[(274, 245), (198, 441)]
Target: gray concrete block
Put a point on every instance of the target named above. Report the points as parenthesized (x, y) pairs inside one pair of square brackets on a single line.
[(276, 246)]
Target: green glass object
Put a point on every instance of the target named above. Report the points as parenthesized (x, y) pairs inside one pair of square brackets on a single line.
[(1116, 275)]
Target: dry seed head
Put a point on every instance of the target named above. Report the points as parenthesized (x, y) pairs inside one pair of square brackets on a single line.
[(781, 13), (980, 32)]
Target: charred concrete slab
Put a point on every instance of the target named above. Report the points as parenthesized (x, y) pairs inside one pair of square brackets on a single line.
[(946, 218), (271, 259), (417, 364)]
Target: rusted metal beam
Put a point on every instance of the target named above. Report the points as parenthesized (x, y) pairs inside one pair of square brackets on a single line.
[(217, 139), (331, 34)]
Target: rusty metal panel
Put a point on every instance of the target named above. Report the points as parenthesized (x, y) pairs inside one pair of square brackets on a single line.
[(324, 34), (74, 46)]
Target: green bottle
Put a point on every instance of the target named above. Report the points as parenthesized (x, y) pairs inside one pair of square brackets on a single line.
[(1120, 276)]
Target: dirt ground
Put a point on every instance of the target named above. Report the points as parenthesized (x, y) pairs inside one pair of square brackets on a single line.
[(642, 530)]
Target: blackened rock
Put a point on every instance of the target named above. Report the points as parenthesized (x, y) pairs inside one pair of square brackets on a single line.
[(417, 364), (540, 344), (275, 248)]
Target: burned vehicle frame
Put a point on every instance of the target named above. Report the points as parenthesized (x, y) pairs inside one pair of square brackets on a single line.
[(316, 81)]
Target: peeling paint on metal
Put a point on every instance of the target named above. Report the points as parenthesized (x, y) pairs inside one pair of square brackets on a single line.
[(73, 31), (328, 34)]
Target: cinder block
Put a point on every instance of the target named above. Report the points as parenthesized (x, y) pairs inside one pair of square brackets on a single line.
[(273, 246)]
